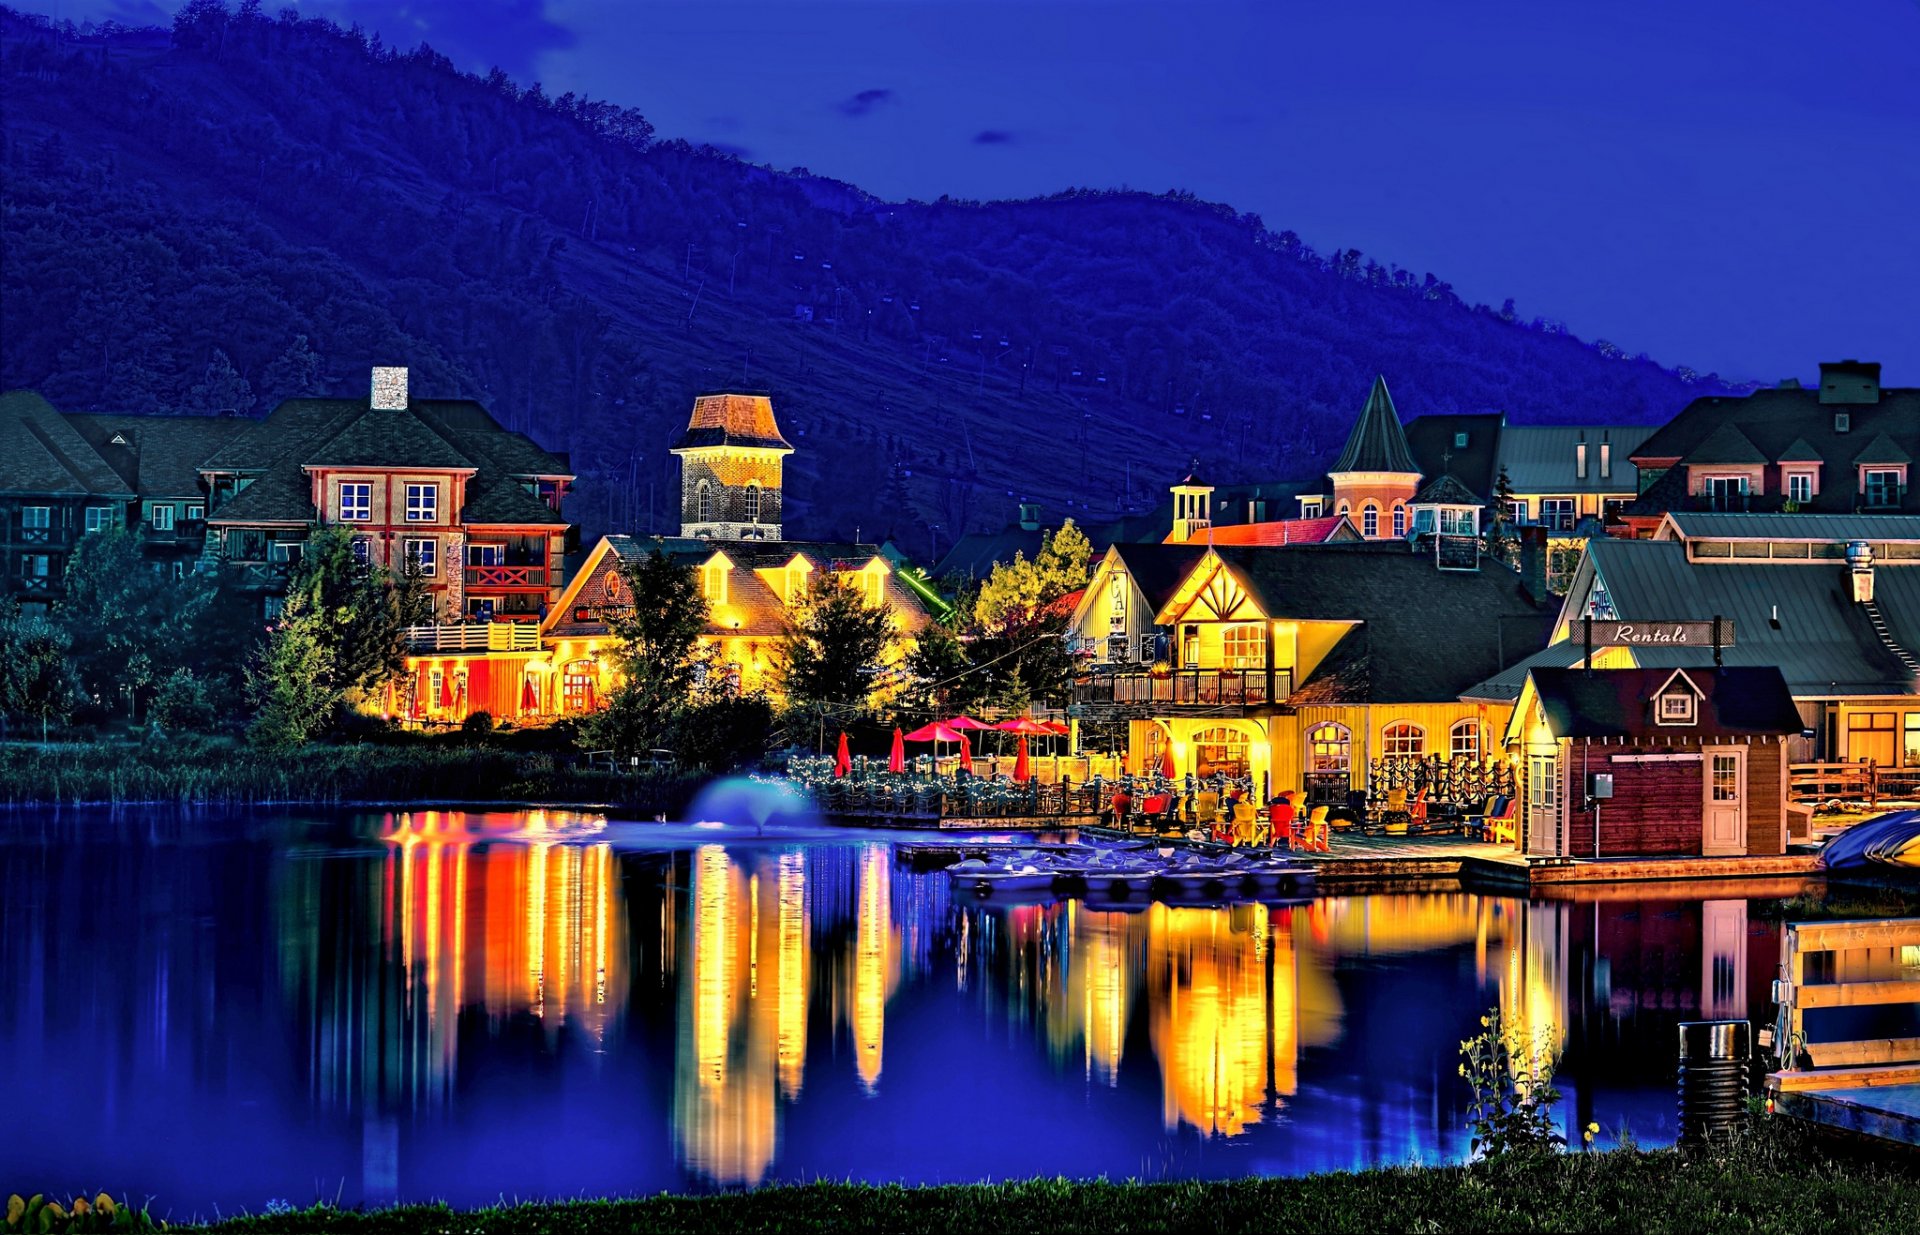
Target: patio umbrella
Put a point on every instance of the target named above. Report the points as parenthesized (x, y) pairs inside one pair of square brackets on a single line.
[(1021, 772), (897, 761), (1056, 728), (1025, 726), (1166, 763), (966, 722), (938, 731), (966, 753), (529, 701), (446, 690), (842, 761)]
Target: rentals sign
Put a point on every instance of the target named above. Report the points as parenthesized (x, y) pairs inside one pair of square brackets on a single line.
[(1715, 634)]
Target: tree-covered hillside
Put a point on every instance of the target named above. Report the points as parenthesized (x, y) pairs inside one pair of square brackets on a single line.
[(247, 206)]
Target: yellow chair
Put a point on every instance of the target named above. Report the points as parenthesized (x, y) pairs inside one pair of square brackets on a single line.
[(1393, 820), (1318, 838), (1206, 808)]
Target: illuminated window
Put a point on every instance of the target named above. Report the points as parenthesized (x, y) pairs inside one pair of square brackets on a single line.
[(1463, 740), (1370, 520), (1676, 707), (1243, 646), (1399, 520), (36, 516), (1558, 513), (577, 687), (1726, 778), (1220, 750), (713, 582), (423, 503), (1329, 748), (1402, 739), (1911, 751), (753, 503), (356, 503), (1310, 510), (875, 586), (704, 499)]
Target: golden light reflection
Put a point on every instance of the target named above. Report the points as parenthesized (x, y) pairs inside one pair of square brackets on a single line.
[(876, 966), (1209, 1014)]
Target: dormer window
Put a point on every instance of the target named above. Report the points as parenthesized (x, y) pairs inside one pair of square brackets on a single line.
[(1677, 707), (1459, 441), (1310, 509)]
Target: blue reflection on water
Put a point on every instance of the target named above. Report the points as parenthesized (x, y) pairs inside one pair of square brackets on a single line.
[(218, 1009)]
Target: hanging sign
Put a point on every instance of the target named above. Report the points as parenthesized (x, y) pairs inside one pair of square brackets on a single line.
[(1713, 634)]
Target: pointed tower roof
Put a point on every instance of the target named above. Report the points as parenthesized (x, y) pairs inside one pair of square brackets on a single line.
[(732, 420), (1377, 443)]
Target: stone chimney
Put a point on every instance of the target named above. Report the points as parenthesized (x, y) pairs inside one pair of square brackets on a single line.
[(389, 389), (1533, 561), (1850, 381), (1029, 516)]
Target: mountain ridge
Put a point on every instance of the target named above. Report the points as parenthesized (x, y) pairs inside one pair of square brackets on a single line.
[(221, 188)]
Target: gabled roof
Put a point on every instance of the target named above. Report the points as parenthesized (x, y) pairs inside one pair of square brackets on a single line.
[(1158, 570), (1545, 458), (158, 456), (1434, 441), (732, 420), (41, 453), (499, 500), (386, 437), (1798, 451), (1378, 442), (1744, 701), (1726, 444), (1446, 491), (1428, 634), (1882, 450)]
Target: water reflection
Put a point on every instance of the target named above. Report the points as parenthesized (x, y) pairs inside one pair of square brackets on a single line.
[(419, 1004)]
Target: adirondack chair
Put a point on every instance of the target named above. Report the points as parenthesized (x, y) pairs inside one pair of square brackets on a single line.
[(1501, 822)]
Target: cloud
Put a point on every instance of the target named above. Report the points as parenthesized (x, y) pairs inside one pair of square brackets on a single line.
[(993, 137), (864, 102)]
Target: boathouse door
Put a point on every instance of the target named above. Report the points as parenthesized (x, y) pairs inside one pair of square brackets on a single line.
[(1726, 800), (1543, 806)]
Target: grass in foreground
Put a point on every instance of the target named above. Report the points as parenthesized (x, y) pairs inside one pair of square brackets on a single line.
[(1775, 1181)]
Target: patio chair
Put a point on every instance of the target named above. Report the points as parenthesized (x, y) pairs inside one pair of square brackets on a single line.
[(1394, 818), (1315, 836), (1501, 821)]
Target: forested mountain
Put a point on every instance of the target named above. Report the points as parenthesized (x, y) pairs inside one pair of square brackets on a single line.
[(247, 207)]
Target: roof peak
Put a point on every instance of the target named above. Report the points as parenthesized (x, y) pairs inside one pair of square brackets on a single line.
[(743, 420), (1378, 442)]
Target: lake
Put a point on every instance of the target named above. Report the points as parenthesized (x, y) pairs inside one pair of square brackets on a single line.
[(219, 1010)]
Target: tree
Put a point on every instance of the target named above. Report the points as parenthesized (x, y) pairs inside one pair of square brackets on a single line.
[(1020, 628), (223, 389), (939, 676), (1501, 536), (129, 625), (833, 647), (1016, 590), (36, 682), (655, 644), (292, 680), (294, 372)]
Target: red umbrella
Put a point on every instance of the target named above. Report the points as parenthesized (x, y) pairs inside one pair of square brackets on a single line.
[(1020, 770), (1166, 763), (935, 732), (1056, 728), (842, 762), (966, 753), (446, 690), (529, 701), (1024, 726), (591, 698), (897, 761), (966, 722)]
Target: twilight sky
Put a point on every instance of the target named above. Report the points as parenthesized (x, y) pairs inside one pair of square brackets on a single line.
[(1731, 184)]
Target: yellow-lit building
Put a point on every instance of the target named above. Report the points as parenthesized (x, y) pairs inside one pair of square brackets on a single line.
[(1298, 666)]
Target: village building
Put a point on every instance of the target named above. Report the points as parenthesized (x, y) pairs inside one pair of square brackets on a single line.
[(1844, 447), (1832, 601), (1633, 762), (1305, 667)]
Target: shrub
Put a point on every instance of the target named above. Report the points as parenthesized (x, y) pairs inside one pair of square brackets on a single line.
[(102, 1213), (479, 724), (182, 702), (1513, 1093)]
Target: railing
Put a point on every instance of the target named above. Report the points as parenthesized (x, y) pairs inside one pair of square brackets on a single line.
[(506, 576), (1862, 964), (1200, 688), (42, 535), (263, 574), (475, 637)]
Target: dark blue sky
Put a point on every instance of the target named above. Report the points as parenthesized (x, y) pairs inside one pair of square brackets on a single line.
[(1731, 184)]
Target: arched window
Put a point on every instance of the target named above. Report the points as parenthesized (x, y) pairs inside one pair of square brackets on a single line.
[(1329, 748), (705, 500), (1220, 750), (1345, 509), (1370, 521), (753, 503), (1401, 739), (1399, 519), (1463, 740)]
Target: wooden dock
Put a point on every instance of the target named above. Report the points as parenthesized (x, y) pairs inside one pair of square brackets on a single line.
[(1866, 1086)]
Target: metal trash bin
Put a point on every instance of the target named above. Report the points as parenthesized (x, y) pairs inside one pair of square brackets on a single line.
[(1715, 1063)]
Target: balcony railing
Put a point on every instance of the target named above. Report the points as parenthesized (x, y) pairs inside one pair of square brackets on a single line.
[(475, 637), (1191, 688), (506, 576)]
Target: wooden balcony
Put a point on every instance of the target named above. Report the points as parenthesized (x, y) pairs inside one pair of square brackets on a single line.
[(487, 578), (1191, 690), (475, 637)]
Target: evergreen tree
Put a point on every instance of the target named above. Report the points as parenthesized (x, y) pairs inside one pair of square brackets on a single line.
[(833, 648), (655, 654), (129, 625), (293, 373), (223, 389)]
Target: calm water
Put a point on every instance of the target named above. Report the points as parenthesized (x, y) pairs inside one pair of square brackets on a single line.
[(221, 1011)]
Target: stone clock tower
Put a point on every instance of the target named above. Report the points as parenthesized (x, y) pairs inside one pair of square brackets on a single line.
[(730, 460)]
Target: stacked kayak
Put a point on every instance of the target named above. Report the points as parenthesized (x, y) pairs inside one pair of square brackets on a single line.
[(1126, 872), (1891, 840)]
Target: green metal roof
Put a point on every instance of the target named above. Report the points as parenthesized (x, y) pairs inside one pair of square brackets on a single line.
[(1829, 528), (1378, 442)]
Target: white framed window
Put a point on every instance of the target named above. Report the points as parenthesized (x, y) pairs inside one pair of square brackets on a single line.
[(423, 503), (160, 515), (1557, 513), (1881, 486), (1310, 510), (1329, 748), (1726, 492), (1243, 646), (99, 518), (1676, 707), (1800, 487), (423, 557), (873, 585), (486, 555), (36, 565), (1399, 519), (752, 504), (356, 502), (1463, 740), (1369, 520), (363, 550), (1517, 510), (1455, 521), (288, 551), (713, 583), (36, 516), (1403, 739), (1726, 778), (196, 512)]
